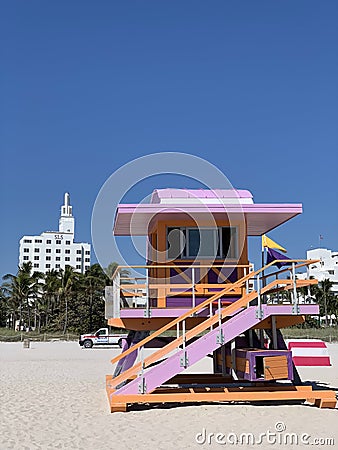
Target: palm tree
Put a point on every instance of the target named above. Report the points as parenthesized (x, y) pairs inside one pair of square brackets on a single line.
[(48, 301), (3, 308), (67, 289), (22, 289), (111, 269), (94, 282), (325, 298)]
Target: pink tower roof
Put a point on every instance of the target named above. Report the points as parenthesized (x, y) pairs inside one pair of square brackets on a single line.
[(134, 219)]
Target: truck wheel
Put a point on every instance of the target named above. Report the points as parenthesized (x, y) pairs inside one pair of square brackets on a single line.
[(88, 343), (120, 342)]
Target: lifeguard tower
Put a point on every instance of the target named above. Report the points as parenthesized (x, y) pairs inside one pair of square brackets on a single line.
[(198, 296)]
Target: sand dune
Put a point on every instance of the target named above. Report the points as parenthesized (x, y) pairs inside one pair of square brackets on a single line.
[(53, 397)]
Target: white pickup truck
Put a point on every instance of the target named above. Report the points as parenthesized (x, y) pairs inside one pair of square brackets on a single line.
[(101, 337)]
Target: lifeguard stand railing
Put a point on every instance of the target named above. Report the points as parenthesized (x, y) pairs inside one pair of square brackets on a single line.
[(143, 291)]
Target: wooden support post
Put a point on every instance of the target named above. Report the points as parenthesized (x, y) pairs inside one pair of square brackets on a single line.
[(250, 338), (233, 359), (118, 407), (261, 337), (224, 373), (274, 333)]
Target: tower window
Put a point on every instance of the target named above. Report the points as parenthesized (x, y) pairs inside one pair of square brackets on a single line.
[(48, 250), (25, 258), (58, 250), (27, 241), (36, 266), (36, 258), (78, 252), (36, 250), (67, 252), (67, 242), (26, 250), (58, 258), (48, 241), (38, 241), (58, 241), (218, 242), (67, 258)]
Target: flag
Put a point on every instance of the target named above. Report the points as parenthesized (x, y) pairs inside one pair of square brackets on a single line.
[(269, 243), (272, 255)]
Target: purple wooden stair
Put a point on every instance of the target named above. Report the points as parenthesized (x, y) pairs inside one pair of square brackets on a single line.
[(206, 344)]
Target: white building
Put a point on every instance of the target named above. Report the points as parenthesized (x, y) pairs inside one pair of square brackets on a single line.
[(326, 268), (56, 249)]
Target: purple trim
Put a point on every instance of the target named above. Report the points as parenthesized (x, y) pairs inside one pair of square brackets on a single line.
[(134, 219), (229, 273), (251, 356), (159, 312), (126, 362), (147, 208), (177, 312), (174, 302), (206, 344)]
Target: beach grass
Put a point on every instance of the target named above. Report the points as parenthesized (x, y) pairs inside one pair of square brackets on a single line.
[(9, 335), (328, 334)]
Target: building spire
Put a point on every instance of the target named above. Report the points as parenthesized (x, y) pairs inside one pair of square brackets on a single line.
[(66, 209), (66, 221)]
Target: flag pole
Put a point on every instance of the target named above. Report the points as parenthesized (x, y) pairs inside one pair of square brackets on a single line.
[(261, 331), (263, 264), (263, 255)]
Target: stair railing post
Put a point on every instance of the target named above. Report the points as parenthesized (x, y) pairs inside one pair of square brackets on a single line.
[(308, 277), (147, 311), (259, 299), (220, 336), (117, 294), (193, 287), (295, 307), (259, 311), (246, 282), (184, 359), (210, 314), (142, 387), (219, 313)]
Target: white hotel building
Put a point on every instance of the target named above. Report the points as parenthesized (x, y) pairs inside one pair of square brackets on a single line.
[(56, 249), (326, 268)]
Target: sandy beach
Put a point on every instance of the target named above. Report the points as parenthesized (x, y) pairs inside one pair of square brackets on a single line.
[(53, 397)]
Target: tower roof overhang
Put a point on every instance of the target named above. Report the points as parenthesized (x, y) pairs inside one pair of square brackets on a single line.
[(202, 206), (137, 219)]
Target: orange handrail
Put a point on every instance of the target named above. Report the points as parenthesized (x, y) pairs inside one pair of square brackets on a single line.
[(191, 333), (202, 305), (199, 307)]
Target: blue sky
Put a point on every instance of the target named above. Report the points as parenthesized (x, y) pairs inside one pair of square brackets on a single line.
[(88, 86)]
